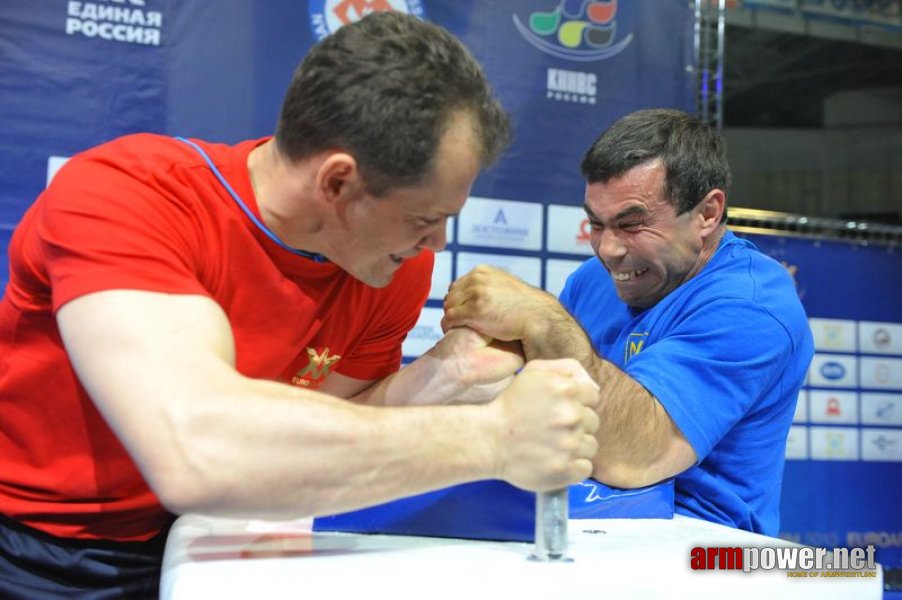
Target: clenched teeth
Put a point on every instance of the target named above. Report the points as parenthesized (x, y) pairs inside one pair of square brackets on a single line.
[(628, 275)]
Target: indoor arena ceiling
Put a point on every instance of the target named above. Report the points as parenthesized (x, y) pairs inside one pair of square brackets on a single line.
[(781, 79)]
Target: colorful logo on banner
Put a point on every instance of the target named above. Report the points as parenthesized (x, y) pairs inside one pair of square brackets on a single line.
[(882, 338), (833, 371), (580, 30), (328, 16)]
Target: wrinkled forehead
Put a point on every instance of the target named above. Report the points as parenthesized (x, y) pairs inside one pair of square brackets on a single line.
[(640, 189)]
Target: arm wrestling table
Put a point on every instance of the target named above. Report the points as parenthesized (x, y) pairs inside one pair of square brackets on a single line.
[(627, 558)]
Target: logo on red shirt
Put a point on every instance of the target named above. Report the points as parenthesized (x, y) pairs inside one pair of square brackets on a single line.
[(318, 366)]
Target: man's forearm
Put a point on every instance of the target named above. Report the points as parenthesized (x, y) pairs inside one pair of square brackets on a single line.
[(259, 448), (422, 382), (463, 367), (557, 335), (638, 444), (263, 449)]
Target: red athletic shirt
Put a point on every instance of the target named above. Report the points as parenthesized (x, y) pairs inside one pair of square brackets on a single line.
[(146, 212)]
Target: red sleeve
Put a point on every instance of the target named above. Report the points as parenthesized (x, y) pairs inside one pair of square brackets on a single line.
[(110, 221), (379, 353)]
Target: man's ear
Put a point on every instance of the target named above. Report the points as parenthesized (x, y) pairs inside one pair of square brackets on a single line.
[(710, 210), (338, 179)]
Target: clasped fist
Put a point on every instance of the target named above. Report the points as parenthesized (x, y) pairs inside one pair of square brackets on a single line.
[(548, 424)]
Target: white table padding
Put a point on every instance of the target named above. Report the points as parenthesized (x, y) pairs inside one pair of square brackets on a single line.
[(611, 558)]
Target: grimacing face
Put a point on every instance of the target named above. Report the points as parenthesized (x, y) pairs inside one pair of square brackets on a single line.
[(384, 231), (647, 248)]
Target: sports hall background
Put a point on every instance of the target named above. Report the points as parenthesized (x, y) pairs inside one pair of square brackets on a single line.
[(75, 74)]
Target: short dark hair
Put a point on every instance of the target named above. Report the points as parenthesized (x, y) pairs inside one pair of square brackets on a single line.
[(385, 89), (694, 156)]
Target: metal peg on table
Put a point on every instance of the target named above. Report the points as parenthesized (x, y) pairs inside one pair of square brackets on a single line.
[(552, 513)]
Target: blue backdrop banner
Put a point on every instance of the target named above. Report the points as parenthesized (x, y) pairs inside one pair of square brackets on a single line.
[(843, 481), (75, 74)]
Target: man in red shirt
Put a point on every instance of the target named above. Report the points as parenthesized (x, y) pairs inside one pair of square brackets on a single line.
[(185, 321)]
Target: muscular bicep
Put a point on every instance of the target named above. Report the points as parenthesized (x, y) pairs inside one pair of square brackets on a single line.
[(141, 356)]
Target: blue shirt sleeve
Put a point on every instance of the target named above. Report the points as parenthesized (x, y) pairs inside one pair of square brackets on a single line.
[(712, 366)]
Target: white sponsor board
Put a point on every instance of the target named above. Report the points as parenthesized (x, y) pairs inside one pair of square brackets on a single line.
[(879, 338), (833, 334), (881, 444), (568, 230), (425, 334), (801, 413), (833, 370), (797, 443), (527, 268), (441, 275), (449, 230), (832, 407), (834, 443), (501, 224), (881, 373), (881, 409), (54, 163), (556, 273)]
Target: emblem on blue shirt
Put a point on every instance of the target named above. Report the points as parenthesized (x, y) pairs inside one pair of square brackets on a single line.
[(634, 344)]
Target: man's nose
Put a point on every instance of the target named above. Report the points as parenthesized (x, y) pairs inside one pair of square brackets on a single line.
[(437, 239), (607, 244)]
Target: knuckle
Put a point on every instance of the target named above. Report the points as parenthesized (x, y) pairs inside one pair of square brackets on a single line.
[(592, 421), (557, 385), (583, 469), (569, 446), (571, 416), (561, 465)]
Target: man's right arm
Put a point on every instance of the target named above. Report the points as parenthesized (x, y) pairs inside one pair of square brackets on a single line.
[(160, 368), (464, 367), (638, 442)]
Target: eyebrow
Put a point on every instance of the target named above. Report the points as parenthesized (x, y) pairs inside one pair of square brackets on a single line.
[(631, 211), (438, 215), (627, 212)]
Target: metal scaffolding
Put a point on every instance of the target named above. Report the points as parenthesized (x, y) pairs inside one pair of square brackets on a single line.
[(862, 233), (708, 44)]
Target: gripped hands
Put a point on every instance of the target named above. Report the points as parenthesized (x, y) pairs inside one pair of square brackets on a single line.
[(547, 424)]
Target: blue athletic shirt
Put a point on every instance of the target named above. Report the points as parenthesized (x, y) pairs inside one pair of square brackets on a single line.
[(725, 354)]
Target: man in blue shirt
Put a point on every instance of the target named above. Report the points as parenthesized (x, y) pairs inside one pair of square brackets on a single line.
[(698, 341)]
